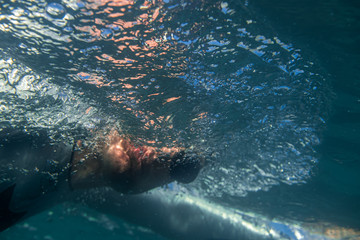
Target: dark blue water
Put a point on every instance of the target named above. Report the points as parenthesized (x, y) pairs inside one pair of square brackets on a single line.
[(329, 29), (268, 91)]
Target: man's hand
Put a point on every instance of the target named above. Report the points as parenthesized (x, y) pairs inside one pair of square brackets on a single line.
[(132, 169)]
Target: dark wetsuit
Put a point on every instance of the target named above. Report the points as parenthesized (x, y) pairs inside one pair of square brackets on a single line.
[(33, 174)]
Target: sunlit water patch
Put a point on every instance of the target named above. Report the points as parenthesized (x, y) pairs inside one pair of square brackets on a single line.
[(193, 73)]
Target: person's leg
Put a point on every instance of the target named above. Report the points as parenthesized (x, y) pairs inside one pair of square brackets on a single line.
[(34, 174)]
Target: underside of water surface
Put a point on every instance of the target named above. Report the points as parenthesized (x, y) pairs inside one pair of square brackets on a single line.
[(214, 76)]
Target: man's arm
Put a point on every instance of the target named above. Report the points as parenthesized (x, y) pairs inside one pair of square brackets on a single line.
[(127, 168)]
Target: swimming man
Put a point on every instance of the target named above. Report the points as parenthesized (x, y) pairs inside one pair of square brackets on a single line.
[(36, 174)]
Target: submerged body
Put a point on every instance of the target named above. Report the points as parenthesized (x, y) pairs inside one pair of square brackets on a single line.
[(36, 173)]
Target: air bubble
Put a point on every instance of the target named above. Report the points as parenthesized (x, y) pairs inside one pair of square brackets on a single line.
[(106, 33), (22, 45), (68, 29), (81, 5), (55, 10)]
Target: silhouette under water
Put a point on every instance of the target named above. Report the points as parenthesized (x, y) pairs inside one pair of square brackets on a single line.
[(210, 75)]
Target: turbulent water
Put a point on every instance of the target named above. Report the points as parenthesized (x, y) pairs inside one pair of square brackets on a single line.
[(210, 75), (212, 80)]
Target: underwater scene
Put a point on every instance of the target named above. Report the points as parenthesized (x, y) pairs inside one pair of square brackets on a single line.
[(265, 93)]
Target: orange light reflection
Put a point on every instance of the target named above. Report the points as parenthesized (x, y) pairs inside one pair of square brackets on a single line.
[(139, 48), (171, 99)]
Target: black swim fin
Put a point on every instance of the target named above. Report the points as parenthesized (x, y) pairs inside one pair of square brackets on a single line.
[(7, 217)]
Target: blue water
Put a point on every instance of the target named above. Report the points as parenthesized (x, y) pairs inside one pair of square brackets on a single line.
[(268, 91)]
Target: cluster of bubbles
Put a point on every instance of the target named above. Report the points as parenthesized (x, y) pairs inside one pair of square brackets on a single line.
[(31, 103)]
